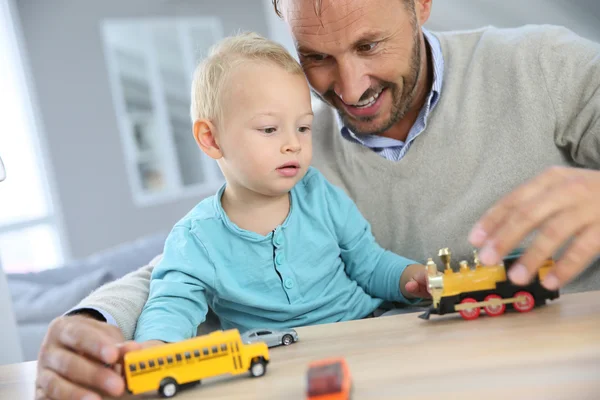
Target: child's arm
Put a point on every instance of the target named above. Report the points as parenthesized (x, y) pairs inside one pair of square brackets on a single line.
[(379, 272), (177, 303)]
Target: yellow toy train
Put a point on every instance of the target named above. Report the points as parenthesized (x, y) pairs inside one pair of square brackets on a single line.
[(471, 289)]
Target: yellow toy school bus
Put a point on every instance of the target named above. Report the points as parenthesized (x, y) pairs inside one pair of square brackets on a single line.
[(168, 367)]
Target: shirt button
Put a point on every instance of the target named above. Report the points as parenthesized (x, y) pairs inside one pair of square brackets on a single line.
[(279, 259), (289, 283), (278, 241)]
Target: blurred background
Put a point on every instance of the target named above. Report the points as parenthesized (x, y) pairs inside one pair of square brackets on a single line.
[(94, 126)]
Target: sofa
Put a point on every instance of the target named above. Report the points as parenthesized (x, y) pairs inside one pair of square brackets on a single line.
[(40, 297)]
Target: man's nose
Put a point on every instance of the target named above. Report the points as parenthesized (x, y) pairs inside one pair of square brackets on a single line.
[(351, 82)]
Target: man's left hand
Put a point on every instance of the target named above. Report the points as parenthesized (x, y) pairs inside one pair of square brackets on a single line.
[(561, 204)]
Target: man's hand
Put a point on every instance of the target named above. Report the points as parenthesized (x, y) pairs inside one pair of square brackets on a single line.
[(413, 282), (561, 204), (73, 360)]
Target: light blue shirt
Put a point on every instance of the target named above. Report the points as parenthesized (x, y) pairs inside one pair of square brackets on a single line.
[(393, 149), (321, 265)]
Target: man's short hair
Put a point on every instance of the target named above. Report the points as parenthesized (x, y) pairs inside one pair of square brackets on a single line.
[(316, 5), (211, 74)]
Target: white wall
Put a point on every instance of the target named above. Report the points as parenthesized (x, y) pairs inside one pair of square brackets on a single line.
[(581, 16), (64, 47)]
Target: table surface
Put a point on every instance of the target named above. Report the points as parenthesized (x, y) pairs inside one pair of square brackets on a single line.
[(552, 352)]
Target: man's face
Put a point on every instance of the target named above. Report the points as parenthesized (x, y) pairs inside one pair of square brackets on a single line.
[(362, 57)]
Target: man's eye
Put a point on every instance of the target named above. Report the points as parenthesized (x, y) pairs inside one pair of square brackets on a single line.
[(315, 57), (366, 47)]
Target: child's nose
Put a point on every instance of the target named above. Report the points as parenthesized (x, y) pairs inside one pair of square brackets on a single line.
[(292, 145)]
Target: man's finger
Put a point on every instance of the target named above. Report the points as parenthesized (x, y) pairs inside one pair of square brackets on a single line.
[(580, 254), (551, 236), (79, 370), (528, 216), (94, 341), (524, 193), (52, 386)]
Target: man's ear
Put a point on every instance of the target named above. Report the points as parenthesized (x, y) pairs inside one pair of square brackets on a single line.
[(423, 10), (204, 133)]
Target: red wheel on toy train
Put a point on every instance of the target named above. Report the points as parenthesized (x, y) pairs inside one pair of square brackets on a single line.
[(526, 303), (494, 310), (470, 313)]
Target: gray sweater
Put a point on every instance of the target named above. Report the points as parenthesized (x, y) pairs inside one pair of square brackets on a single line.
[(514, 102)]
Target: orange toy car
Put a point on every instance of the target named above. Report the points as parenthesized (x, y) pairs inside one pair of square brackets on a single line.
[(329, 379)]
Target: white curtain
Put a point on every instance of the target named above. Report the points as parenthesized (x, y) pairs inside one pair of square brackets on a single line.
[(10, 348)]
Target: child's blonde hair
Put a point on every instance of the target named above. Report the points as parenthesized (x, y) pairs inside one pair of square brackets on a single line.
[(211, 74)]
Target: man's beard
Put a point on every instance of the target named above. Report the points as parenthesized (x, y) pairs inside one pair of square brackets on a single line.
[(401, 98)]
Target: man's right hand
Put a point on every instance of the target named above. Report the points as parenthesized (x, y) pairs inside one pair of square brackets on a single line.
[(73, 360)]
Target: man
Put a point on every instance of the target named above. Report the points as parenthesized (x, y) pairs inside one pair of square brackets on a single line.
[(431, 133)]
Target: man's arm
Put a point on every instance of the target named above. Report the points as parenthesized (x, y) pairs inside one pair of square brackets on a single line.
[(560, 205), (122, 299)]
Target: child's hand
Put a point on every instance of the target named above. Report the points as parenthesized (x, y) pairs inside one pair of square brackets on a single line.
[(413, 282)]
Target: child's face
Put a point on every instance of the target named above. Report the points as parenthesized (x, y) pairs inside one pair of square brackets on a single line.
[(265, 131)]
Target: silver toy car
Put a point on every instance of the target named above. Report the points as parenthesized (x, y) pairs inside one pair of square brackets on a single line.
[(272, 337)]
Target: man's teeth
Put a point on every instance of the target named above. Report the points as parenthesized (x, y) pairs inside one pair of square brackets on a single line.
[(368, 102)]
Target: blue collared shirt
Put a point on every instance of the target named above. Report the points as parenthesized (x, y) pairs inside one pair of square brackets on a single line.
[(321, 265), (394, 149)]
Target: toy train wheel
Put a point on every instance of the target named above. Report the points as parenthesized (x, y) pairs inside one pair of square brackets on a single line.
[(470, 313), (494, 310), (526, 303)]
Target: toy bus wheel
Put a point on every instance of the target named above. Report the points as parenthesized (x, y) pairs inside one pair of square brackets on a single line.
[(168, 387), (471, 313), (287, 340), (495, 309), (526, 303), (258, 368)]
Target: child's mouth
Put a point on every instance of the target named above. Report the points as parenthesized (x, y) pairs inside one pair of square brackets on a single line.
[(289, 170)]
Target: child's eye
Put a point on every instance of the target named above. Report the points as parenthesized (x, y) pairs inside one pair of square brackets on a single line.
[(269, 130), (304, 129)]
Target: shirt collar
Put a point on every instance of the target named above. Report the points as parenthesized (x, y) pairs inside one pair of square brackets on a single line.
[(376, 141)]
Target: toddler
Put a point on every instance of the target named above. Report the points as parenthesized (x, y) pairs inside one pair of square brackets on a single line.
[(277, 246)]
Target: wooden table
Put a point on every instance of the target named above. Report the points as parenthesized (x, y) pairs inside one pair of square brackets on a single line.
[(552, 352)]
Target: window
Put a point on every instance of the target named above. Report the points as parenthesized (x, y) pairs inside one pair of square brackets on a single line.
[(187, 355), (142, 365), (150, 64), (132, 368), (263, 333), (215, 349), (151, 363), (223, 347), (205, 351), (28, 213), (161, 361), (170, 359), (178, 357), (196, 353)]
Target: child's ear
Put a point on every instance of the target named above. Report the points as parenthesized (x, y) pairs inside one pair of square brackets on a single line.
[(204, 133)]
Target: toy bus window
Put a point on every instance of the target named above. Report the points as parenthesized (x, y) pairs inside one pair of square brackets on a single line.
[(170, 359), (205, 351), (142, 365), (178, 357), (187, 355), (132, 368), (161, 361), (223, 347), (237, 348), (214, 349), (196, 353), (151, 363)]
